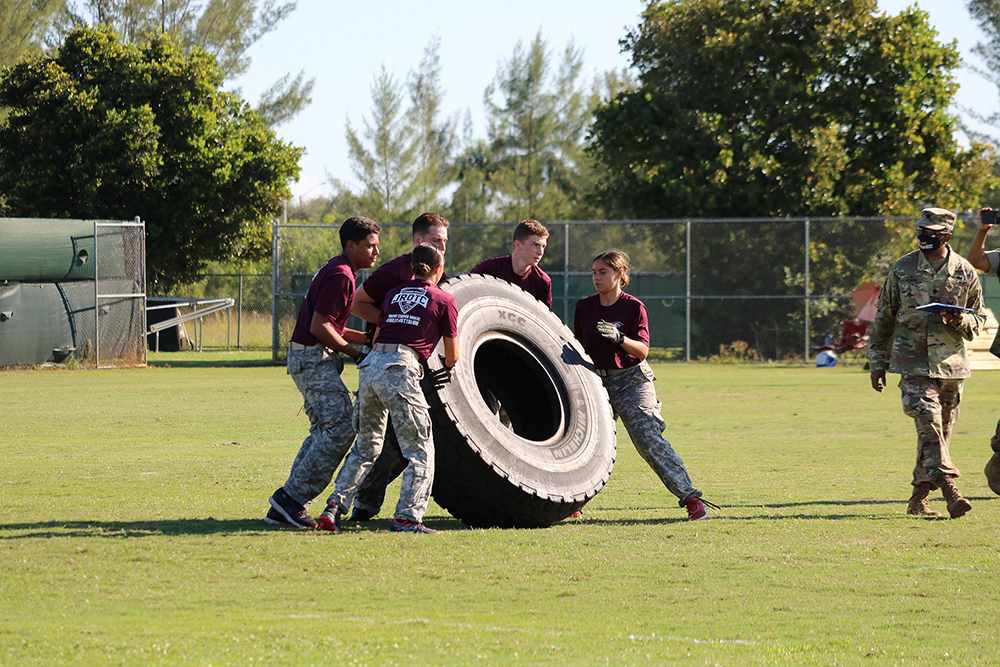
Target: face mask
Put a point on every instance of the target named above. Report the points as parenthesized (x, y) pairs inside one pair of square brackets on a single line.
[(928, 243)]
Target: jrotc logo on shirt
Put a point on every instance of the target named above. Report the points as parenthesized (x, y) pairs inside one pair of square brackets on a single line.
[(409, 298)]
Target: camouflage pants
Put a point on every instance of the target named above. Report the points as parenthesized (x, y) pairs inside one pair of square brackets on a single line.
[(633, 398), (389, 383), (316, 373), (933, 404), (389, 465)]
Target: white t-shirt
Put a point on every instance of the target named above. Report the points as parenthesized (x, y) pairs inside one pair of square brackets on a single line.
[(993, 256)]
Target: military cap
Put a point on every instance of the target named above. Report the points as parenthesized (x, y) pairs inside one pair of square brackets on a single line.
[(936, 220)]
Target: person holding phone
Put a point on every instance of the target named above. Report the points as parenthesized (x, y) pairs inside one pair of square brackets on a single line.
[(988, 261), (928, 350)]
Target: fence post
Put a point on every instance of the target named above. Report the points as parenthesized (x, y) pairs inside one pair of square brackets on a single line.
[(805, 317), (239, 315), (566, 273), (275, 260), (97, 301), (687, 291)]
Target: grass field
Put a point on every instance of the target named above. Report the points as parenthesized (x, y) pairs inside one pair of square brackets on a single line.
[(131, 534)]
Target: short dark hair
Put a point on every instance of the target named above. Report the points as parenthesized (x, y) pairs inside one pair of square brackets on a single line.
[(424, 259), (527, 228), (425, 221), (357, 229), (618, 261)]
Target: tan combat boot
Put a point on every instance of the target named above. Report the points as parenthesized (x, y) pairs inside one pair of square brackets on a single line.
[(918, 502), (957, 505), (993, 473)]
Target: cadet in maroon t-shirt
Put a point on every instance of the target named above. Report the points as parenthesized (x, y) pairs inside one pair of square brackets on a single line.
[(429, 228), (521, 266), (319, 339), (614, 330), (415, 316)]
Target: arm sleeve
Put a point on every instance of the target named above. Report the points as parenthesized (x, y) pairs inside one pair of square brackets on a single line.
[(993, 257), (881, 332), (973, 323)]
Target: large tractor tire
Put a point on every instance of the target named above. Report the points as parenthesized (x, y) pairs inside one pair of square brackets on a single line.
[(524, 434)]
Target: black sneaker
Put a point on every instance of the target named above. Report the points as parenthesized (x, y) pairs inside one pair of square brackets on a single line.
[(362, 514), (274, 518), (292, 512), (407, 526), (330, 518)]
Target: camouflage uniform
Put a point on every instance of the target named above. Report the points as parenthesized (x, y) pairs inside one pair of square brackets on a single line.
[(633, 398), (316, 372), (929, 354), (389, 383)]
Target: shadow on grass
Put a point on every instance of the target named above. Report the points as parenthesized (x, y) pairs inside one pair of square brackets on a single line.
[(213, 362), (668, 518), (209, 526)]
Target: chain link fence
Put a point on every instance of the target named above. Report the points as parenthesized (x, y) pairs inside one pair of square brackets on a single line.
[(245, 326), (119, 336), (734, 289)]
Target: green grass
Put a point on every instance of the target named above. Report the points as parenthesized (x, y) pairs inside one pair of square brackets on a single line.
[(131, 534)]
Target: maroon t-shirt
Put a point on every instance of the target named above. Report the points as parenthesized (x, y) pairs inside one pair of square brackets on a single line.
[(627, 313), (535, 282), (389, 275), (331, 294), (417, 314)]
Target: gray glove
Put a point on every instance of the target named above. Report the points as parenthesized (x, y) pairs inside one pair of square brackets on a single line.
[(610, 331)]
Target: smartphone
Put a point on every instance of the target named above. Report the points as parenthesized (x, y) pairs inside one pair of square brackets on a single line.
[(989, 217)]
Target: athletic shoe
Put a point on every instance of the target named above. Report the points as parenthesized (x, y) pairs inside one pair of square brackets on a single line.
[(696, 509), (576, 515), (362, 514), (330, 518), (407, 526), (274, 518), (292, 512)]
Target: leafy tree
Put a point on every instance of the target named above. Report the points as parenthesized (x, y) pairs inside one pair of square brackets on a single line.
[(386, 166), (224, 28), (471, 198), (769, 108), (784, 107), (24, 24), (434, 139), (537, 119), (520, 125), (108, 130), (987, 14)]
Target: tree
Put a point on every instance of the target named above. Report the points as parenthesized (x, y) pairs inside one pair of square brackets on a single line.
[(224, 28), (24, 24), (108, 130), (987, 14), (536, 125), (784, 107), (771, 108), (433, 138), (387, 165), (520, 125)]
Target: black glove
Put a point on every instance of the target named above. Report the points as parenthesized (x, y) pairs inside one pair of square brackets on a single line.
[(610, 331), (361, 357), (369, 337), (441, 377)]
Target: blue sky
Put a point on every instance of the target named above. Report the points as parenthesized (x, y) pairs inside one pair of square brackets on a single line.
[(343, 45)]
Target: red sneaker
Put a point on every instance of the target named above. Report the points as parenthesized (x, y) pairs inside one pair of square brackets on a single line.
[(696, 509), (330, 519)]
